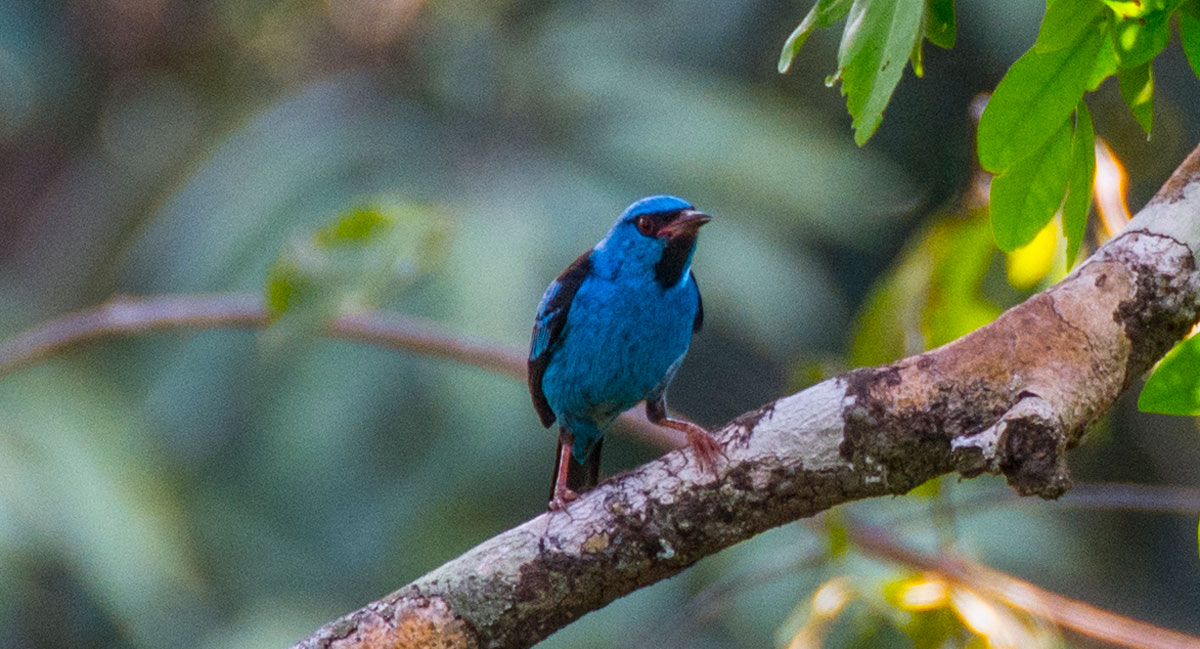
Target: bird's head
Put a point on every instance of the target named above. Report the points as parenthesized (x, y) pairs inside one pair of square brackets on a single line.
[(655, 236)]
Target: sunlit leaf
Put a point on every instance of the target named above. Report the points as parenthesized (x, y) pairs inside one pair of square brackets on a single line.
[(918, 58), (939, 23), (876, 45), (1128, 8), (1029, 264), (998, 624), (1174, 387), (1079, 185), (830, 598), (1137, 88), (823, 14), (1026, 196), (1064, 21), (918, 593), (1033, 100)]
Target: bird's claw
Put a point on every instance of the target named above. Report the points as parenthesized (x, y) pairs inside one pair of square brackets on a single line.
[(562, 497), (705, 447)]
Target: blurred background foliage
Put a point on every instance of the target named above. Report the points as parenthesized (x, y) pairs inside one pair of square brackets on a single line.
[(191, 489)]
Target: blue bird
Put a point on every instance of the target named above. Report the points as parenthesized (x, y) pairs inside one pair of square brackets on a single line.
[(611, 331)]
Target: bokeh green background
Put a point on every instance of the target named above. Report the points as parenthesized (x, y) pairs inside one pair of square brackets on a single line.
[(189, 489)]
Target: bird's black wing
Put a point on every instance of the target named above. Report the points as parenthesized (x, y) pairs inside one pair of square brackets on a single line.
[(699, 321), (548, 327)]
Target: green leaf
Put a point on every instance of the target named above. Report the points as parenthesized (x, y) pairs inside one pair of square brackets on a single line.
[(939, 23), (1174, 387), (1034, 99), (823, 14), (918, 58), (1079, 185), (1137, 88), (1064, 22), (1106, 65), (1025, 197), (1139, 40), (876, 45), (1189, 34)]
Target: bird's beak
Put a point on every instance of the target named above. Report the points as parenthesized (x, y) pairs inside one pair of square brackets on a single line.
[(686, 224)]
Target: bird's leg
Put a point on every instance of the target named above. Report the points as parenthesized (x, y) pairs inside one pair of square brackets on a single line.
[(705, 447), (562, 493)]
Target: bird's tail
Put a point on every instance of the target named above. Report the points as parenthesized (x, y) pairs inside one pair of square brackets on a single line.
[(580, 477)]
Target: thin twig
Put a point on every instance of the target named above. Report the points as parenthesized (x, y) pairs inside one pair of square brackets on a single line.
[(1068, 613), (124, 315)]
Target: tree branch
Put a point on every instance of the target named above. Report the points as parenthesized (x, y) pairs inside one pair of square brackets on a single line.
[(1009, 398)]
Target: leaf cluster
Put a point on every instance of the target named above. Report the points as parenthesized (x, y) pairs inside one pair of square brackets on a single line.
[(1036, 134)]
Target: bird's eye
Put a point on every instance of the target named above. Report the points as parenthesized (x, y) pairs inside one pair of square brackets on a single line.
[(645, 225)]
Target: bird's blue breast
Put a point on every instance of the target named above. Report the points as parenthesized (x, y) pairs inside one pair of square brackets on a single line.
[(621, 343)]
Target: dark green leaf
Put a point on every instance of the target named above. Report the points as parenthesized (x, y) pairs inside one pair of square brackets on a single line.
[(1079, 186), (1174, 388), (823, 14), (1138, 40), (876, 45), (1025, 197), (1189, 34), (939, 23), (1137, 88), (1034, 100), (1064, 21)]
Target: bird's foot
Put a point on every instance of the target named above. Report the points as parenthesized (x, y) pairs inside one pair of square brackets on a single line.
[(705, 447), (562, 497)]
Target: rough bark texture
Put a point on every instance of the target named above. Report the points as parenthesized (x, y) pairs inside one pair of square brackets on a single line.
[(1009, 398)]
